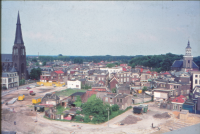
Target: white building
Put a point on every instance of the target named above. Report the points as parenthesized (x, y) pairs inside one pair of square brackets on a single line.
[(195, 78), (74, 84), (112, 70), (10, 79)]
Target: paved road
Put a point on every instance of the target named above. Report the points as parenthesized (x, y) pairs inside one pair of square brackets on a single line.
[(3, 93)]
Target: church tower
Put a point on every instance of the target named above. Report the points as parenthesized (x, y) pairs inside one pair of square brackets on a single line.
[(187, 58), (19, 52)]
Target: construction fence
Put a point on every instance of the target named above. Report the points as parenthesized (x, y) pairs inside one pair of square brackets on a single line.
[(57, 84)]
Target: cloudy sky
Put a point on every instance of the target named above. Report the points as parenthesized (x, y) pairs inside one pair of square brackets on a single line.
[(102, 28)]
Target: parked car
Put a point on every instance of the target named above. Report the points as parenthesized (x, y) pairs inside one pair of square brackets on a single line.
[(28, 88)]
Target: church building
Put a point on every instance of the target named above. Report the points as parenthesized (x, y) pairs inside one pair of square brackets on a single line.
[(17, 59), (187, 63)]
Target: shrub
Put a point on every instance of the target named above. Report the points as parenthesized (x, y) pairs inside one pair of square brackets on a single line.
[(78, 112), (115, 107), (86, 119), (78, 118)]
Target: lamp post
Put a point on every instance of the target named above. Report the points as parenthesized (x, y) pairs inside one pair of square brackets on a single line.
[(108, 115)]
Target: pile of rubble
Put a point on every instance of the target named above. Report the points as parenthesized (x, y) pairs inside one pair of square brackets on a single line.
[(130, 120), (163, 115)]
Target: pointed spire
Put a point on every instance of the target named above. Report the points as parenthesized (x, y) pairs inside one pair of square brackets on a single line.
[(18, 35), (188, 45), (18, 18)]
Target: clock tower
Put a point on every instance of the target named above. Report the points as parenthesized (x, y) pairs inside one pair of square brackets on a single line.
[(187, 58)]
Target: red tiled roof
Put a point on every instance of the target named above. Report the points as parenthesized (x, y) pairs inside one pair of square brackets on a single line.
[(124, 69), (59, 72), (141, 70), (148, 72), (179, 99)]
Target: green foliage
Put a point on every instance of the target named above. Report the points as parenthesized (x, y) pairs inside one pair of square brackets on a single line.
[(78, 60), (78, 112), (144, 89), (98, 119), (86, 86), (92, 98), (35, 73), (60, 109), (78, 101), (34, 60), (22, 82), (44, 63), (37, 63), (86, 119), (110, 65), (115, 107), (114, 90), (78, 118), (158, 62)]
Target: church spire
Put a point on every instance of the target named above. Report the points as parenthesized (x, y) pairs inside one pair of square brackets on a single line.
[(188, 45), (18, 35)]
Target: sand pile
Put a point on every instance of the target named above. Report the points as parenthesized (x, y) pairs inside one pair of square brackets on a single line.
[(163, 115), (176, 114), (131, 120)]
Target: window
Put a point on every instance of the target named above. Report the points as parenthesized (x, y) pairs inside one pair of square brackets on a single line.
[(188, 91), (124, 79), (110, 99), (127, 79), (117, 100), (121, 100), (195, 81), (171, 93), (196, 96), (196, 76), (106, 99), (77, 85)]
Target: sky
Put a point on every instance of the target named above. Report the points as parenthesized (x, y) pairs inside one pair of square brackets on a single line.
[(87, 28)]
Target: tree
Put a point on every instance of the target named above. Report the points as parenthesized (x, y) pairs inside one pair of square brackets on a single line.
[(115, 107), (35, 73), (34, 60), (78, 101), (110, 65), (86, 119), (37, 64), (114, 90), (144, 89), (44, 63)]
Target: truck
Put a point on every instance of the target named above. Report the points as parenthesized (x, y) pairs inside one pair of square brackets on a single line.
[(32, 93), (21, 97)]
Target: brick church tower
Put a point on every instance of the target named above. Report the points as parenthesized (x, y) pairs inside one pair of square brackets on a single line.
[(188, 58), (19, 52)]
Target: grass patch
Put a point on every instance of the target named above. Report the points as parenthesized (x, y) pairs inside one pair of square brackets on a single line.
[(68, 92)]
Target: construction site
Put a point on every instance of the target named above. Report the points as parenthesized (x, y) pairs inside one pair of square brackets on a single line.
[(20, 116)]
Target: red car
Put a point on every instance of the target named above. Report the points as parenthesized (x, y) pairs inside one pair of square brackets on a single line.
[(28, 88)]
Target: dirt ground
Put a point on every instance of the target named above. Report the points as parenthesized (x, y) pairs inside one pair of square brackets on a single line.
[(25, 118)]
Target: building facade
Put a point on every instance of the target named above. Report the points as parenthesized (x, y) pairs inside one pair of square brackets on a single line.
[(18, 56)]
